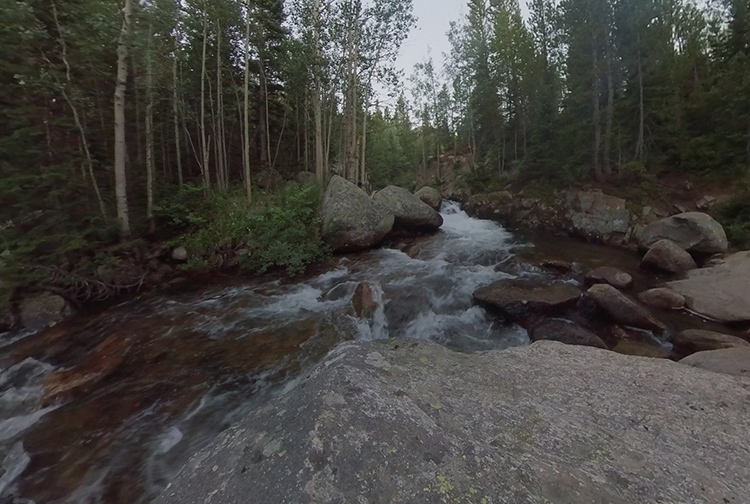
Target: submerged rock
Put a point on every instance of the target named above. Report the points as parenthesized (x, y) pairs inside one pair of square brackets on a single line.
[(663, 298), (668, 256), (565, 332), (609, 275), (732, 361), (517, 300), (721, 292), (693, 231), (364, 300), (696, 340), (622, 309), (410, 212), (351, 219), (430, 196), (402, 421)]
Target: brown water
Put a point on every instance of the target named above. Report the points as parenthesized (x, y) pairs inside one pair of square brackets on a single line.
[(106, 407)]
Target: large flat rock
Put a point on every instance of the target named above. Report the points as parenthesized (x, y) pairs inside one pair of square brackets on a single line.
[(721, 292), (402, 421)]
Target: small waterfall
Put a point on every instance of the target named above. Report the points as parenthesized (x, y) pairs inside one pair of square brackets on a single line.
[(375, 326)]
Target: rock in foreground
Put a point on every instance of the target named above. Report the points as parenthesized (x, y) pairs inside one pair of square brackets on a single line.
[(721, 292), (351, 219), (693, 231), (402, 421), (410, 211)]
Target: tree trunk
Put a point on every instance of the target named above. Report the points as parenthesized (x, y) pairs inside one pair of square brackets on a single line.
[(150, 164), (639, 145), (320, 171), (76, 116), (363, 169), (121, 191), (204, 142), (597, 111), (219, 117), (176, 114), (246, 128), (610, 115)]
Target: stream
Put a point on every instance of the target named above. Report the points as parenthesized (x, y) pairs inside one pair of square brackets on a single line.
[(106, 407)]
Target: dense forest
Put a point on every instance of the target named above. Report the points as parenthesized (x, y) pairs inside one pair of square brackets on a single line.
[(128, 123)]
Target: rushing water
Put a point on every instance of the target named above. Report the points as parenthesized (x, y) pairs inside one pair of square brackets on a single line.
[(106, 408)]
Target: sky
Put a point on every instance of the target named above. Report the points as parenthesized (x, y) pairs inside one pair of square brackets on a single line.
[(433, 21)]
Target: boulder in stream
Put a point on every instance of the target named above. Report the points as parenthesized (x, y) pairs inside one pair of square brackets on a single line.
[(696, 340), (598, 216), (364, 300), (43, 310), (622, 309), (668, 256), (695, 232), (430, 196), (732, 361), (565, 332), (410, 211), (721, 292), (519, 299), (404, 421), (351, 219), (609, 275), (663, 298)]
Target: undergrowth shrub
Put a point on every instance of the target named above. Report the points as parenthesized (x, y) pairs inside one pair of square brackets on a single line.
[(735, 217), (277, 230)]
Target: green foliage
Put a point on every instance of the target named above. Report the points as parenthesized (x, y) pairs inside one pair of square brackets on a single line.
[(279, 230), (735, 217)]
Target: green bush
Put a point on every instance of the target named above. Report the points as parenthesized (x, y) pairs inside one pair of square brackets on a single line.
[(735, 217), (277, 230)]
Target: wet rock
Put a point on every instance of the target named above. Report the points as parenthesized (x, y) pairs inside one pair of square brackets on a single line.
[(180, 254), (622, 309), (696, 340), (402, 421), (668, 256), (430, 196), (517, 300), (410, 212), (663, 298), (557, 265), (488, 205), (640, 349), (269, 179), (732, 361), (306, 177), (351, 220), (721, 292), (695, 232), (102, 362), (609, 275), (364, 300), (43, 310), (565, 332), (598, 216)]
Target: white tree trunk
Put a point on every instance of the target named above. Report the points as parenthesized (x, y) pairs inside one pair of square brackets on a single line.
[(121, 191), (246, 126)]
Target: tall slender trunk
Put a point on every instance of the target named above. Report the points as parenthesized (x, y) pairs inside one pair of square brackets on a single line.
[(76, 116), (639, 145), (176, 114), (150, 164), (246, 126), (204, 142), (597, 111), (266, 115), (363, 169), (320, 170), (610, 114), (121, 191), (219, 117)]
